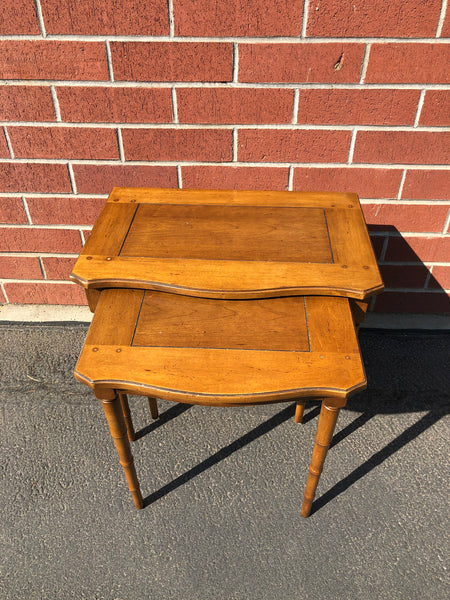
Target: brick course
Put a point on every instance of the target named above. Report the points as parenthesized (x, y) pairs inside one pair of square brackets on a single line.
[(253, 94), (87, 17), (358, 107), (114, 105), (171, 61), (24, 103), (18, 18), (63, 142), (64, 211), (299, 63), (238, 18), (219, 105), (84, 61), (12, 211), (32, 177), (377, 18), (178, 144)]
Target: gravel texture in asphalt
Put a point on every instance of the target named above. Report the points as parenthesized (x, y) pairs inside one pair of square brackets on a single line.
[(223, 487)]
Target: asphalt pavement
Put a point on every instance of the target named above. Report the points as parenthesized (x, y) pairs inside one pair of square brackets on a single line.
[(223, 487)]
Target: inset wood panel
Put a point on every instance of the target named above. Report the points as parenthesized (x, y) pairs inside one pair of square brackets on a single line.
[(229, 233), (171, 320)]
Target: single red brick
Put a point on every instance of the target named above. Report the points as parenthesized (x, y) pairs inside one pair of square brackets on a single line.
[(220, 105), (99, 179), (235, 178), (18, 17), (367, 183), (21, 239), (404, 276), (2, 297), (407, 217), (213, 145), (440, 277), (255, 18), (58, 267), (358, 107), (34, 178), (300, 63), (12, 211), (115, 105), (417, 249), (23, 59), (408, 63), (412, 302), (88, 17), (64, 142), (359, 18), (436, 108), (377, 244), (172, 61), (4, 152), (400, 147), (45, 293), (427, 185), (26, 103), (64, 211), (19, 267), (295, 145)]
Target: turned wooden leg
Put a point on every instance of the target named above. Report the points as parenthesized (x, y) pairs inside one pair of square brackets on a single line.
[(299, 411), (325, 427), (153, 408), (127, 416), (114, 415)]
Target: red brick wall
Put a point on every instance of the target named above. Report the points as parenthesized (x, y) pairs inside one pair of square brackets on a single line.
[(251, 94)]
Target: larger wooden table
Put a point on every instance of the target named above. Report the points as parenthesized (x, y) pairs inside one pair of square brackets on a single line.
[(226, 298)]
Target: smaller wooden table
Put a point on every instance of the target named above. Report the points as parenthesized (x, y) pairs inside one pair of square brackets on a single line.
[(220, 353), (230, 244)]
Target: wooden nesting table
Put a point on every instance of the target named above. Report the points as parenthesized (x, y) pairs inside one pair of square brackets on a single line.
[(225, 298)]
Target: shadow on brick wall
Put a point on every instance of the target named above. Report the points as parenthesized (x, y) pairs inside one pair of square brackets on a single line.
[(410, 286)]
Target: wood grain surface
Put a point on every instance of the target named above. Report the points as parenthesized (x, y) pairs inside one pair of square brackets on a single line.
[(172, 354), (230, 244)]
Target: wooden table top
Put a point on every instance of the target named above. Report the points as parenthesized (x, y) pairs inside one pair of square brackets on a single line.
[(214, 351), (230, 244)]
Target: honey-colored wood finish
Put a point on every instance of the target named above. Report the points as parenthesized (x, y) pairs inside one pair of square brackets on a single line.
[(299, 410), (240, 324), (325, 428), (230, 244), (319, 360), (127, 416), (225, 298), (256, 233), (127, 348), (117, 427), (153, 407)]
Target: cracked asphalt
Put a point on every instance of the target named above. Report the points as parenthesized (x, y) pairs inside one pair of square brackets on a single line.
[(223, 487)]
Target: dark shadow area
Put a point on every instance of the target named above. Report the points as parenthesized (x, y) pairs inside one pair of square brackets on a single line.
[(251, 436), (171, 413), (379, 457), (407, 371), (405, 276)]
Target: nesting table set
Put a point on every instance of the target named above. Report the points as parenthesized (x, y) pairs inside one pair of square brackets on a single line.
[(225, 298)]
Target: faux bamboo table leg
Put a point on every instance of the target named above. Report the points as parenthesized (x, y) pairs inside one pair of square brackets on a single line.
[(325, 428), (299, 409), (114, 415), (127, 416), (153, 408)]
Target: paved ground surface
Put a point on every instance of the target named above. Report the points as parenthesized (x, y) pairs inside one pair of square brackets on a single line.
[(223, 486)]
